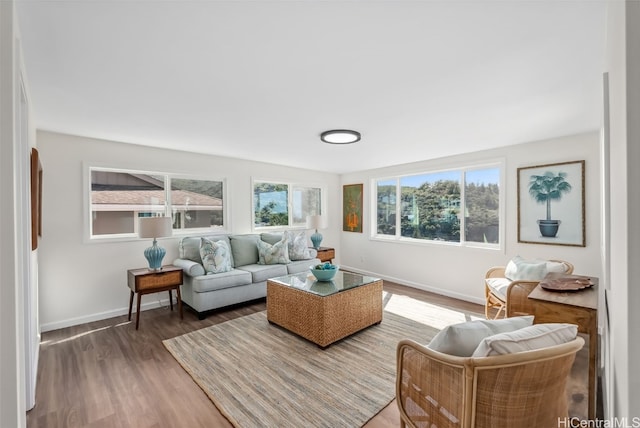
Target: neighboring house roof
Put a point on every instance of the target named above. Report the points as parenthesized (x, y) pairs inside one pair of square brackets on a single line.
[(145, 200)]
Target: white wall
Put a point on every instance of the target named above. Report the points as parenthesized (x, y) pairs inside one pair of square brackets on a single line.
[(15, 242), (83, 281), (623, 66), (457, 271)]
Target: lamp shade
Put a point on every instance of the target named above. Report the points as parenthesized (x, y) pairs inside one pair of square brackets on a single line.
[(316, 222), (155, 227)]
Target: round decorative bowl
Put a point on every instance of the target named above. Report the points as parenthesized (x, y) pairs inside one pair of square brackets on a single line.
[(325, 271)]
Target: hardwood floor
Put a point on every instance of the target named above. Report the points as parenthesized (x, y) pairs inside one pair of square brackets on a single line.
[(108, 374)]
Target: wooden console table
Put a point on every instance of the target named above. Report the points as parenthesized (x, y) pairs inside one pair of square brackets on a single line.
[(575, 307)]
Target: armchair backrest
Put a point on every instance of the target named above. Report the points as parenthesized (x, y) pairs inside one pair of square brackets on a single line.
[(435, 389), (517, 302), (509, 295)]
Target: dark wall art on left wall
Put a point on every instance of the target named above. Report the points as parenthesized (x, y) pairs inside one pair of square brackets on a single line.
[(36, 198)]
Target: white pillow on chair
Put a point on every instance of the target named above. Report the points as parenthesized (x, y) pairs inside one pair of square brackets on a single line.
[(462, 339), (526, 339), (527, 270)]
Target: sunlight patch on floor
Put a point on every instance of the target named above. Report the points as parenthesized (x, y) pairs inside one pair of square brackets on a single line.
[(46, 343), (425, 313)]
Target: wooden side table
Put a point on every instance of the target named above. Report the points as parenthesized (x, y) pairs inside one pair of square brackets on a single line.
[(145, 281), (326, 254), (576, 307)]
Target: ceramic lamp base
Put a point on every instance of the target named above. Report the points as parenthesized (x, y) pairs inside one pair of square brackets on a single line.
[(316, 238), (154, 255)]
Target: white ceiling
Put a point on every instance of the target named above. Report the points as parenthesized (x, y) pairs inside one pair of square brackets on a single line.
[(262, 79)]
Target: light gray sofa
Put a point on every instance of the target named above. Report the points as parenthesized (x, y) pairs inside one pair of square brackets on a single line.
[(245, 282)]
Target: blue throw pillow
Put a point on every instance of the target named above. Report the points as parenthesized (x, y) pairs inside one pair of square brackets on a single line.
[(277, 253), (216, 257)]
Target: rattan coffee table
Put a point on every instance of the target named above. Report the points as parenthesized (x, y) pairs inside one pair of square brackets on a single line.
[(324, 312)]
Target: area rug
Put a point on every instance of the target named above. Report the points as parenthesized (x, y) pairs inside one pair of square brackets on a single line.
[(260, 375)]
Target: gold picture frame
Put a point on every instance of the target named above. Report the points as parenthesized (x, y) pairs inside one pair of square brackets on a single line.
[(352, 207), (36, 198), (551, 207)]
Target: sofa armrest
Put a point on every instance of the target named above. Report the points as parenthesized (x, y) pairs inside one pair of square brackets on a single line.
[(313, 253), (189, 267)]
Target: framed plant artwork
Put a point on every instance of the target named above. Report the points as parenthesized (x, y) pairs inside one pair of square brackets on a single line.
[(551, 204), (352, 208)]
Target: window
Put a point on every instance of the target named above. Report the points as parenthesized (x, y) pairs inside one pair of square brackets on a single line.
[(460, 206), (271, 204), (196, 204), (119, 197), (280, 204), (482, 202), (387, 191)]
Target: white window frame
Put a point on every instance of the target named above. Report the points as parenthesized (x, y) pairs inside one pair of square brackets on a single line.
[(290, 185), (462, 169), (88, 235)]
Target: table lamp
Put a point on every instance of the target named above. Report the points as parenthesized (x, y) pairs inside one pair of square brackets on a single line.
[(155, 227), (316, 222)]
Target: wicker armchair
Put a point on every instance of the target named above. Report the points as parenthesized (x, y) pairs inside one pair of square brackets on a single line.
[(524, 389), (510, 298)]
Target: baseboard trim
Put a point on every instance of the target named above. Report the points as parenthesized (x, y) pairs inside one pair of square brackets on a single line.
[(163, 303), (419, 286), (102, 315)]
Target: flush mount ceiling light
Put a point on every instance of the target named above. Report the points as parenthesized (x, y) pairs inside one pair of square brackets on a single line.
[(340, 136)]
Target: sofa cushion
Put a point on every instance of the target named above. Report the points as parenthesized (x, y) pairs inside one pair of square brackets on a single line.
[(233, 278), (299, 266), (216, 256), (189, 247), (244, 249), (298, 247), (261, 273), (271, 238), (463, 339), (277, 253), (527, 270), (526, 339)]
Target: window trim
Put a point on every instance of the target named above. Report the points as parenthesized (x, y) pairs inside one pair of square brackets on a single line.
[(462, 169), (121, 237), (290, 186)]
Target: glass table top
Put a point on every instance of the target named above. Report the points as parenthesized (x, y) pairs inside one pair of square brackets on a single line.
[(307, 282)]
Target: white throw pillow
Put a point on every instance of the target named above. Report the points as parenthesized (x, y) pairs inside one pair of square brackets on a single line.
[(526, 339), (216, 256), (277, 253), (527, 270), (462, 339), (555, 267), (298, 248)]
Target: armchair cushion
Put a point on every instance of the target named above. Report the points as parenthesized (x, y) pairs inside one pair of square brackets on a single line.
[(499, 286), (526, 339), (462, 339)]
